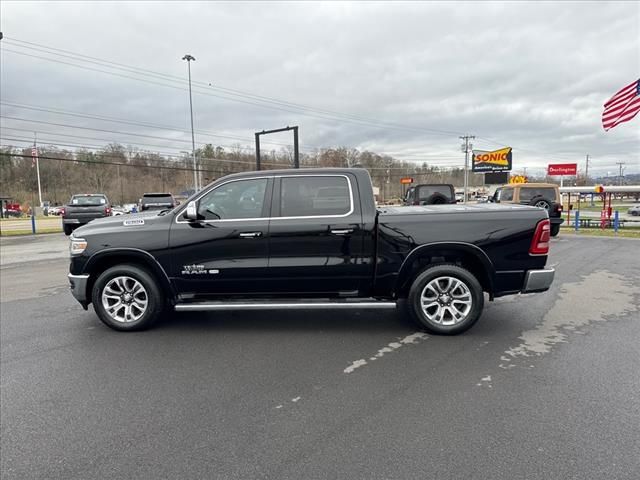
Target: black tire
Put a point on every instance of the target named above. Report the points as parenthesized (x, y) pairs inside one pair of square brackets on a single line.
[(541, 202), (153, 294), (420, 285), (555, 230), (68, 229)]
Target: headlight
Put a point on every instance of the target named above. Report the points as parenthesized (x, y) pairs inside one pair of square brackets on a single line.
[(77, 246)]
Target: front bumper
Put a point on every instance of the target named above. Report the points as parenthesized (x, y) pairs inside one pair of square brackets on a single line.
[(78, 285), (538, 280)]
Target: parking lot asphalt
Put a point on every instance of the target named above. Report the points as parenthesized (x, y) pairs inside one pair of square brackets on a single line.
[(544, 386)]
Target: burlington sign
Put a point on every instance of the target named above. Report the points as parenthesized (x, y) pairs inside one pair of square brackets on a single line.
[(562, 169), (495, 161)]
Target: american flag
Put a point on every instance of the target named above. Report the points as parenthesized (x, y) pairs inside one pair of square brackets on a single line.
[(622, 107), (34, 156)]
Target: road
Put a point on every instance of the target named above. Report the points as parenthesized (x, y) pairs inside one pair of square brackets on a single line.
[(545, 386)]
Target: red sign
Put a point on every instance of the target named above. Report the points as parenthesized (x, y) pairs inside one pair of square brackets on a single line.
[(562, 169), (406, 180)]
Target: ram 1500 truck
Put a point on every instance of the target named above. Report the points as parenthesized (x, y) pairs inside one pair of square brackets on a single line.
[(308, 239)]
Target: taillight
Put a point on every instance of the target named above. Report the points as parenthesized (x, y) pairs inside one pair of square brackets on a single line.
[(558, 208), (107, 211), (540, 242), (62, 211)]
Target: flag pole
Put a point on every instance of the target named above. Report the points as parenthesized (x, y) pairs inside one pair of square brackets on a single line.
[(37, 169)]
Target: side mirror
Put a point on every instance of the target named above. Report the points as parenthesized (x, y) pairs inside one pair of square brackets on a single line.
[(191, 213)]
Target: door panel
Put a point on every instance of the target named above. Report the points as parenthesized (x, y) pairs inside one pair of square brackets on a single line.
[(317, 254), (221, 254)]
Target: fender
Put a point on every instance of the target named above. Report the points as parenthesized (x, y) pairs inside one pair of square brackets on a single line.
[(470, 248), (142, 255)]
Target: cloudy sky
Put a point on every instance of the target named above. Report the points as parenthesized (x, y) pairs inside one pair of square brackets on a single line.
[(404, 79)]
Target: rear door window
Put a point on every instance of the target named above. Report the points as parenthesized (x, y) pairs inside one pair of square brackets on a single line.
[(315, 196), (506, 195)]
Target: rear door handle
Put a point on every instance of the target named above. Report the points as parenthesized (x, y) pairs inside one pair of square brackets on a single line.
[(250, 234), (342, 231)]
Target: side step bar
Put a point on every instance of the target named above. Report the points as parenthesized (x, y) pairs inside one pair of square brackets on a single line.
[(282, 305)]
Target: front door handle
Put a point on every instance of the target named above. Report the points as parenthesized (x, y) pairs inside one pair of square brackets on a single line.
[(250, 234), (342, 231)]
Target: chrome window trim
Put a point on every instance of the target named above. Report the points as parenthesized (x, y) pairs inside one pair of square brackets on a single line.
[(350, 212)]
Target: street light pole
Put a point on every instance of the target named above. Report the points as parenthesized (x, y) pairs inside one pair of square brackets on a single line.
[(189, 58)]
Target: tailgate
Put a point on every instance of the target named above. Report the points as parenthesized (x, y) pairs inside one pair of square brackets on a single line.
[(84, 213)]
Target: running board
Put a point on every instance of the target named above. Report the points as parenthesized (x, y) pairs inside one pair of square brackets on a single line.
[(283, 305)]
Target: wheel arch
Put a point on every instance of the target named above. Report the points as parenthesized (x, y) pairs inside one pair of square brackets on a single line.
[(467, 255), (107, 258)]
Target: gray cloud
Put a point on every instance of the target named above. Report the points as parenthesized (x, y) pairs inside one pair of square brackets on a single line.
[(530, 75)]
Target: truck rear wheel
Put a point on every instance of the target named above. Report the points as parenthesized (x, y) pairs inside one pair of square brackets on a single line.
[(68, 229), (446, 299), (555, 230), (126, 298)]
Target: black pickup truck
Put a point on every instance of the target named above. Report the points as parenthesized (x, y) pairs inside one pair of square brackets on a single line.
[(276, 240)]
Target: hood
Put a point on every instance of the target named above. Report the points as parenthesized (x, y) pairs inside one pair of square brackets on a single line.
[(122, 223)]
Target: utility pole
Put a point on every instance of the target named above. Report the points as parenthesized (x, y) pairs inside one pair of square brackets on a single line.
[(465, 148), (34, 154), (121, 189), (189, 58), (586, 171), (620, 164)]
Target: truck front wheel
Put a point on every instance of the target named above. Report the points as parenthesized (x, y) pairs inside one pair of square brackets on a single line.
[(127, 297), (446, 299)]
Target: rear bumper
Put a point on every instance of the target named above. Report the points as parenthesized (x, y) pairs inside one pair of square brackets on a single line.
[(556, 220), (78, 285), (538, 280)]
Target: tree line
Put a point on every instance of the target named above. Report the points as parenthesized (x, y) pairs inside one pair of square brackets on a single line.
[(124, 173)]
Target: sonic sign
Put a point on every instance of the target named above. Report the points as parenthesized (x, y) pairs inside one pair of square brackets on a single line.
[(496, 161)]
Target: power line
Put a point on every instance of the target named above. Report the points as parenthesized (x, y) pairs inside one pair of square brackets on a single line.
[(110, 141), (423, 157), (127, 122), (228, 91), (168, 155), (66, 125), (278, 104)]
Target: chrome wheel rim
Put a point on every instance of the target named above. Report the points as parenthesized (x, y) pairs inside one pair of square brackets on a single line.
[(446, 301), (125, 299), (542, 204)]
